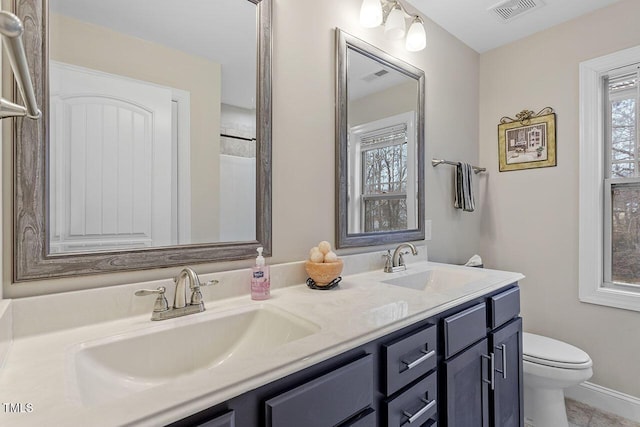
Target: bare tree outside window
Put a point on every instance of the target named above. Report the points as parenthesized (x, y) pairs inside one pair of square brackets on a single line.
[(625, 197), (384, 192)]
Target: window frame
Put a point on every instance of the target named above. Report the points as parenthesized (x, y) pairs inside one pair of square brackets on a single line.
[(594, 181), (355, 189), (395, 195)]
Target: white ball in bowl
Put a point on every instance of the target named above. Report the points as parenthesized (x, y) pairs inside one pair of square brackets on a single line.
[(330, 257), (324, 247)]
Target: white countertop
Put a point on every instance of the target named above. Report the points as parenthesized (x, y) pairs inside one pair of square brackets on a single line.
[(38, 368)]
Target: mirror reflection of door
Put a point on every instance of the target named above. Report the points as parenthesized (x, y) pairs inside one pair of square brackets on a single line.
[(382, 152), (199, 192), (111, 162)]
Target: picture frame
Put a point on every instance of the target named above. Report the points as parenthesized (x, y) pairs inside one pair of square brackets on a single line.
[(527, 142)]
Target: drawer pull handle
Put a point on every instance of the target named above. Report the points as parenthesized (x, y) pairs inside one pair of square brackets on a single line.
[(503, 348), (413, 417), (492, 370), (426, 355)]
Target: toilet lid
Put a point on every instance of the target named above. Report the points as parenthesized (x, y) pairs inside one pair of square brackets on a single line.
[(550, 352)]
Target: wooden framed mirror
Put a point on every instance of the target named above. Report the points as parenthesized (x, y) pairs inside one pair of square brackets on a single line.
[(379, 146), (77, 214)]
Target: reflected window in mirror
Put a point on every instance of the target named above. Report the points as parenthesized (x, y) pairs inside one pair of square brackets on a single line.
[(155, 144), (380, 143)]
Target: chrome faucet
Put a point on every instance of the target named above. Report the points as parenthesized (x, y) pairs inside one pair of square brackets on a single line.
[(395, 262), (161, 310)]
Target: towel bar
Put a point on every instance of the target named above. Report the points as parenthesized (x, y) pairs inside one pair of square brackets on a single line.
[(11, 29), (436, 162)]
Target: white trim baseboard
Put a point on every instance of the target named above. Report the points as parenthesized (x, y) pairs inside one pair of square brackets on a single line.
[(606, 399)]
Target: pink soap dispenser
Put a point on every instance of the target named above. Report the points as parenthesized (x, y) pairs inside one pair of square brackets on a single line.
[(260, 285)]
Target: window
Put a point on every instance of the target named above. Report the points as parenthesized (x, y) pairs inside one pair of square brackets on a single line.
[(610, 180), (384, 179), (381, 177), (622, 186)]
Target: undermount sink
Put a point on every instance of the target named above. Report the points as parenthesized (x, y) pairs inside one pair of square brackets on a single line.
[(117, 366), (436, 279)]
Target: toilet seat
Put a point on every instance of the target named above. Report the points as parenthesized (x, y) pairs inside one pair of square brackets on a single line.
[(549, 352)]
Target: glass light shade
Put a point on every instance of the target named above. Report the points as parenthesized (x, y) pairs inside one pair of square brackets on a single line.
[(371, 13), (394, 28), (416, 36)]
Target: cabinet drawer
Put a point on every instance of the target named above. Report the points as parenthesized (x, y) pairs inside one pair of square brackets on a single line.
[(328, 400), (366, 419), (504, 307), (408, 358), (226, 420), (416, 405), (464, 328)]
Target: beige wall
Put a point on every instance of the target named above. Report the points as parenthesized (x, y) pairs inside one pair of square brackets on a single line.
[(304, 140), (80, 43), (530, 218)]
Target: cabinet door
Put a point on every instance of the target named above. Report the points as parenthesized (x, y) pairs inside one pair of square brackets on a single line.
[(467, 387), (506, 399)]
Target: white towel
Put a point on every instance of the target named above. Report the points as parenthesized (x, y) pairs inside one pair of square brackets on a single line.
[(464, 188)]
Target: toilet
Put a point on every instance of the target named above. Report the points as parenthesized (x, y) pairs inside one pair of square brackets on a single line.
[(549, 367)]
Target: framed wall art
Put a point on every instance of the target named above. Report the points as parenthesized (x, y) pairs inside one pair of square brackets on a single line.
[(528, 141)]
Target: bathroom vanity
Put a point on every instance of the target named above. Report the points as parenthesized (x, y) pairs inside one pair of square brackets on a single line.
[(436, 345), (455, 368)]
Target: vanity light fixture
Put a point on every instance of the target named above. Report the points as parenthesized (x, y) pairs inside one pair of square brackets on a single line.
[(394, 27), (392, 15), (371, 13), (416, 36)]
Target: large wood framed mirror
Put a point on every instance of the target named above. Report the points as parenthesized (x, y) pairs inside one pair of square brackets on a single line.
[(154, 148), (379, 146)]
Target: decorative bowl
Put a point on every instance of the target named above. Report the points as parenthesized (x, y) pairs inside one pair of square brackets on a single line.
[(323, 273)]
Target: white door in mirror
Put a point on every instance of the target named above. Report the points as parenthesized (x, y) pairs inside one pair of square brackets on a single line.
[(110, 162)]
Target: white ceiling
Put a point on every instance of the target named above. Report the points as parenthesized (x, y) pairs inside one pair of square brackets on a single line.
[(362, 78), (474, 25)]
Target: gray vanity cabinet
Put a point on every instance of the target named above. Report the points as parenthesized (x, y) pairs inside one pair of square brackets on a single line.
[(505, 340), (482, 366), (506, 399), (466, 368), (467, 388)]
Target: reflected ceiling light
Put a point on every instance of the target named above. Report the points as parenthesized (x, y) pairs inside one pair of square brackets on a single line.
[(392, 15), (371, 13)]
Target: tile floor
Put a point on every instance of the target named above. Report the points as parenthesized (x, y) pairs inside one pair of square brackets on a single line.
[(582, 415)]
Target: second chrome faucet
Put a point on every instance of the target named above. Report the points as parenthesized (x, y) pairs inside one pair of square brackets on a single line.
[(161, 309)]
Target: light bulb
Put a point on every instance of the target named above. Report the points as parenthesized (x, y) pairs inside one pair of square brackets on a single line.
[(371, 13), (416, 36), (394, 28)]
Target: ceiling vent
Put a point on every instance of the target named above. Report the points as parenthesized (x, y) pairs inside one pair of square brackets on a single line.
[(373, 76), (509, 9)]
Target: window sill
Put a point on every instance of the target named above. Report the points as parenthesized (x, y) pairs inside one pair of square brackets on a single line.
[(611, 297)]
